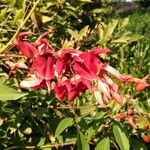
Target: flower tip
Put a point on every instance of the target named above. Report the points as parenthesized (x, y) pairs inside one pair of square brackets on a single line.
[(23, 34), (141, 86)]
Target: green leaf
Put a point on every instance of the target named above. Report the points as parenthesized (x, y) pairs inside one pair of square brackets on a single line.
[(83, 32), (124, 22), (82, 142), (86, 110), (46, 19), (18, 16), (2, 80), (85, 1), (74, 34), (65, 123), (3, 13), (123, 39), (110, 29), (104, 144), (121, 137), (8, 93), (12, 2)]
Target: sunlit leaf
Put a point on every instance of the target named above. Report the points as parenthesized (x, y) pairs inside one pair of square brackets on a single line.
[(73, 33), (82, 142), (124, 22), (83, 32), (3, 13), (8, 93), (64, 124), (18, 15), (104, 144), (121, 137)]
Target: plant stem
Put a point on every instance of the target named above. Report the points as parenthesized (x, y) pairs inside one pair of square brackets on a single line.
[(44, 146), (21, 26), (12, 55)]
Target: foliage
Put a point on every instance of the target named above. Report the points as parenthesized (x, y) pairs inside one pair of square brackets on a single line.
[(33, 119)]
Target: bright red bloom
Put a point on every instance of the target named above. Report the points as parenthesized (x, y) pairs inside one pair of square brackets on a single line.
[(43, 45), (43, 66), (25, 47), (80, 69), (65, 60), (87, 64), (70, 88)]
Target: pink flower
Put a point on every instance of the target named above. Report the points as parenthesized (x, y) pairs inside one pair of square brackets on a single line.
[(113, 71), (98, 97), (143, 84), (104, 88), (70, 72)]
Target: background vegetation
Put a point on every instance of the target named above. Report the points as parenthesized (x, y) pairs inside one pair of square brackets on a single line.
[(36, 120)]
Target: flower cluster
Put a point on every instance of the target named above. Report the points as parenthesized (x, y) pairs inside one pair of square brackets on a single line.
[(70, 72)]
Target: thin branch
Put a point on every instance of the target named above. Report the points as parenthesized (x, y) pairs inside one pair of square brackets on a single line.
[(44, 146), (75, 107), (58, 145), (21, 26), (12, 55)]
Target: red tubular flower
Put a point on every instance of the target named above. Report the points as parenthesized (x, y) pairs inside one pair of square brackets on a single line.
[(43, 45), (65, 60), (61, 90), (79, 68), (25, 47), (42, 73), (87, 64), (43, 66), (70, 88)]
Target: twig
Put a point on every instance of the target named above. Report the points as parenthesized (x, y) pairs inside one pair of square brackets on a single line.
[(75, 107), (21, 26), (12, 55), (58, 145), (44, 146)]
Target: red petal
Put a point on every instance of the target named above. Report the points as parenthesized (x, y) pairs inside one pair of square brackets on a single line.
[(49, 72), (60, 91), (39, 66), (60, 65), (26, 48), (88, 67), (21, 35)]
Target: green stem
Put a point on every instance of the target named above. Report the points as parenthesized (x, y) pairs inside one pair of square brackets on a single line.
[(21, 26)]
